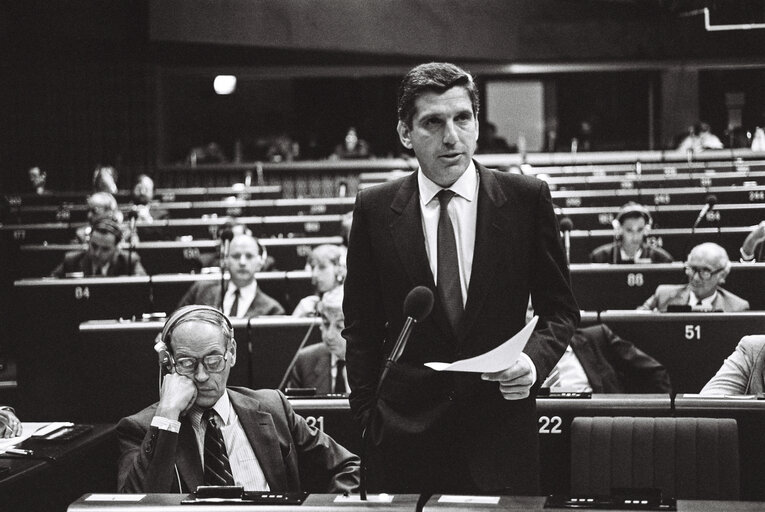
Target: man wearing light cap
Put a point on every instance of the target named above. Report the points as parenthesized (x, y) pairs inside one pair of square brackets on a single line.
[(632, 224)]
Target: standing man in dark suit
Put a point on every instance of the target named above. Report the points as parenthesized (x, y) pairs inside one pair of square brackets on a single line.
[(482, 247), (243, 297), (201, 432)]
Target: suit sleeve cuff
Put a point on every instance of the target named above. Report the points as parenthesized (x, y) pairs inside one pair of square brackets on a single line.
[(532, 366), (166, 424)]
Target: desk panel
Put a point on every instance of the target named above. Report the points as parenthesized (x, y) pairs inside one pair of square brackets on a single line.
[(554, 422), (690, 195), (750, 417), (691, 346), (598, 287)]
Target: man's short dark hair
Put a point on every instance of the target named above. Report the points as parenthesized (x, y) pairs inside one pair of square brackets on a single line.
[(436, 77), (108, 226)]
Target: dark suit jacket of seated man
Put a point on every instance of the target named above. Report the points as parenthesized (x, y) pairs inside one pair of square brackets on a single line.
[(103, 256), (245, 258), (612, 364), (163, 448)]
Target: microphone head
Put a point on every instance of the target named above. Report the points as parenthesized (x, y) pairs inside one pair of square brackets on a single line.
[(226, 235), (711, 199), (418, 303), (132, 214), (566, 224)]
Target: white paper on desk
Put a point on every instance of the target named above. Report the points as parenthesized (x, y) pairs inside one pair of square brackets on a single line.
[(27, 429), (496, 359)]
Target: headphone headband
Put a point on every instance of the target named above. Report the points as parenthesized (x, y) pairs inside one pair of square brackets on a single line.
[(187, 313), (633, 209)]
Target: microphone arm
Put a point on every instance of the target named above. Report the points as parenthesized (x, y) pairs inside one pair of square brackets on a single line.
[(222, 264), (133, 215)]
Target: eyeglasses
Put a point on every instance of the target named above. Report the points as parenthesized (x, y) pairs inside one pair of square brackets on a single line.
[(212, 364), (704, 273)]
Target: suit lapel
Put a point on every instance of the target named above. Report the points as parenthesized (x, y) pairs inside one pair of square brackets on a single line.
[(189, 462), (261, 433), (681, 298), (585, 353), (489, 226), (406, 231)]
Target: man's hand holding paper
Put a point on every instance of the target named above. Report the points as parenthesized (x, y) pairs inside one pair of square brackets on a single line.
[(505, 364)]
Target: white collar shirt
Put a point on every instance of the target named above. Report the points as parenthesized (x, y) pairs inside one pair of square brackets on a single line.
[(706, 303), (463, 212), (246, 296)]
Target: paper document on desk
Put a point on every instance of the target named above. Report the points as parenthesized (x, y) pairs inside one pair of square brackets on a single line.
[(495, 360), (27, 429)]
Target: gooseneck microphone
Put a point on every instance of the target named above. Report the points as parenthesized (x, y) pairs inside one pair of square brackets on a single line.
[(711, 202), (417, 306), (225, 241), (566, 225), (132, 217)]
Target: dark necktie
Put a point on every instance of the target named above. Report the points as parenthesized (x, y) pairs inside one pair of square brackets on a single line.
[(217, 466), (234, 305), (340, 378), (449, 289)]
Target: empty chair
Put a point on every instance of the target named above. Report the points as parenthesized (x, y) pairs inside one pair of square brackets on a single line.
[(687, 458)]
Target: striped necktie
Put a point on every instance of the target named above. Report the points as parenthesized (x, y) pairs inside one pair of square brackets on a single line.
[(234, 305), (217, 466)]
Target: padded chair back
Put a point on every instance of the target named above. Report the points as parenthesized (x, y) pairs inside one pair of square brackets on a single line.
[(687, 458)]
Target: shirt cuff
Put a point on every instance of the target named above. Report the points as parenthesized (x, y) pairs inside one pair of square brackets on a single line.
[(166, 424), (744, 256), (533, 367)]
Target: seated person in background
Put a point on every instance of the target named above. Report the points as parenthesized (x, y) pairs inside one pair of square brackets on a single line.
[(632, 225), (100, 205), (352, 147), (203, 433), (243, 297), (699, 139), (37, 179), (10, 426), (598, 360), (743, 372), (103, 256), (328, 271), (706, 268), (322, 365), (143, 200), (752, 248), (105, 179)]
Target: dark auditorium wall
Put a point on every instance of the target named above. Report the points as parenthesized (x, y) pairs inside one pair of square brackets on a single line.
[(475, 30)]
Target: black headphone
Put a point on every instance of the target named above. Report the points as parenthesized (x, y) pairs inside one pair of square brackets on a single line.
[(108, 226), (633, 209), (208, 314)]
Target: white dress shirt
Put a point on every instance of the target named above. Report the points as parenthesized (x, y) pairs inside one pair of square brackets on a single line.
[(463, 212), (568, 374), (246, 296), (244, 464), (706, 303)]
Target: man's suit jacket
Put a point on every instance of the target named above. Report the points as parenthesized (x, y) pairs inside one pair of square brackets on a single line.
[(207, 293), (80, 261), (743, 372), (517, 251), (605, 254), (294, 457), (313, 369), (615, 365), (679, 294)]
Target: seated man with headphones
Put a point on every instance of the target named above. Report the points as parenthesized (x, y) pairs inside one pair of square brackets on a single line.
[(103, 256), (243, 298), (631, 226), (203, 433)]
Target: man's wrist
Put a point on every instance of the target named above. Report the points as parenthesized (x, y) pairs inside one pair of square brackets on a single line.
[(7, 408), (168, 413)]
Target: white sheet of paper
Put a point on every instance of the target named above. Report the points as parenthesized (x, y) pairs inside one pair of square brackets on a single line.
[(496, 359), (27, 429)]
